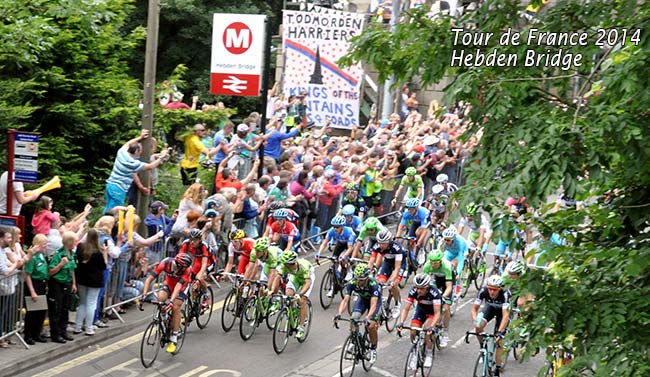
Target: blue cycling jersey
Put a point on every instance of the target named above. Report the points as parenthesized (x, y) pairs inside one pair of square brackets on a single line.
[(347, 236), (354, 224), (456, 250), (422, 215)]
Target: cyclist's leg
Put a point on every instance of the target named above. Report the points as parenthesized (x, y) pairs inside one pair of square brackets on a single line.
[(418, 320), (373, 325)]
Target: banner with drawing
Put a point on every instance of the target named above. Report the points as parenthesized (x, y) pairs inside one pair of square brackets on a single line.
[(313, 42)]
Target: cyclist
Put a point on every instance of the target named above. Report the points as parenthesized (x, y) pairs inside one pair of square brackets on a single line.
[(497, 305), (369, 292), (416, 219), (242, 246), (352, 197), (427, 311), (413, 183), (265, 257), (437, 203), (479, 232), (300, 277), (341, 238), (371, 227), (444, 279), (449, 188), (292, 216), (393, 266), (195, 247), (178, 276), (515, 270), (351, 220), (455, 248), (283, 232)]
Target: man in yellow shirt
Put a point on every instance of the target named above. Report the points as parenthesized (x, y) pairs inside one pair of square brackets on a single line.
[(193, 150)]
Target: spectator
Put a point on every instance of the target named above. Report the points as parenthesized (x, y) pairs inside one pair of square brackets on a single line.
[(36, 271), (61, 286), (8, 282), (157, 221), (145, 188), (221, 202), (242, 149), (192, 200), (328, 193), (43, 215), (134, 284), (273, 139), (248, 209), (126, 165), (92, 258), (19, 197), (105, 226), (194, 148), (225, 177), (221, 146), (54, 238)]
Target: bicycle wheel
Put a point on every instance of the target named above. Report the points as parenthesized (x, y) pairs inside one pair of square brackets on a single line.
[(327, 288), (481, 368), (249, 318), (180, 340), (411, 367), (469, 275), (229, 310), (409, 272), (281, 331), (307, 323), (348, 357), (150, 344), (480, 269), (205, 309), (275, 306), (364, 360), (391, 317)]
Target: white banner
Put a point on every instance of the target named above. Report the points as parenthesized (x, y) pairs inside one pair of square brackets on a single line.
[(313, 43)]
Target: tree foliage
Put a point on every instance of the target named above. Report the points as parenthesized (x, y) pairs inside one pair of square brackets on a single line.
[(584, 130)]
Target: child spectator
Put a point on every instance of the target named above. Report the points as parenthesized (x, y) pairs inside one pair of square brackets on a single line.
[(43, 216)]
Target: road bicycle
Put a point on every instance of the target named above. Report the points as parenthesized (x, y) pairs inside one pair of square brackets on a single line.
[(389, 313), (199, 304), (332, 283), (158, 333), (356, 348), (475, 267), (287, 322), (258, 308), (485, 365), (415, 360), (415, 258), (233, 304)]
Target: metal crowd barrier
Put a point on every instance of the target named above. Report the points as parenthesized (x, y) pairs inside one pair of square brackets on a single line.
[(12, 305)]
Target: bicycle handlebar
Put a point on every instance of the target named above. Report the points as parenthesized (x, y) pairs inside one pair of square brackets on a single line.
[(354, 321), (483, 334)]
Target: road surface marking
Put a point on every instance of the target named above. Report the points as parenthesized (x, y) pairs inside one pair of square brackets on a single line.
[(193, 371), (164, 370)]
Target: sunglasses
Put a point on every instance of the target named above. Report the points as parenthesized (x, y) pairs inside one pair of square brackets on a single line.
[(493, 289)]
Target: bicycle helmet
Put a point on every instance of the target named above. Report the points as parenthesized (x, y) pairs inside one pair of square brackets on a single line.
[(495, 281), (195, 234), (353, 187), (183, 260), (471, 208), (450, 232), (261, 243), (437, 189), (422, 280), (275, 206), (348, 210), (515, 267), (412, 203), (371, 223), (410, 171), (210, 213), (288, 257), (280, 214), (338, 221), (435, 256), (237, 234), (210, 204), (361, 271), (384, 236), (442, 178)]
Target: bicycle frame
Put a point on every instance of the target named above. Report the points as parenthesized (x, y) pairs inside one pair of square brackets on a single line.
[(360, 342), (419, 346), (487, 353)]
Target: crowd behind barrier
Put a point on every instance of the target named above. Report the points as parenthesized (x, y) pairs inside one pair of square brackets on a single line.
[(12, 304)]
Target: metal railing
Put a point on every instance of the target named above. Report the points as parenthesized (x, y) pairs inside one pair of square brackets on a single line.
[(12, 319)]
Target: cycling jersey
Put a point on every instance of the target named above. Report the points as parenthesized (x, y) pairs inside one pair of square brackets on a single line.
[(292, 217), (197, 253), (244, 253), (502, 301), (363, 233), (426, 302), (421, 216), (395, 252), (271, 261), (286, 231), (456, 250), (474, 227), (441, 275), (358, 203), (412, 186), (171, 276), (354, 223), (346, 236), (304, 271), (372, 289)]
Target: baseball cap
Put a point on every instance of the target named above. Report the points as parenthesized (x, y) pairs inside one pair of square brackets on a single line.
[(415, 156), (157, 205), (431, 140), (243, 128), (419, 148)]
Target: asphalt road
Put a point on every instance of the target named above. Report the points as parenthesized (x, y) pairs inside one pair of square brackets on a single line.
[(211, 352)]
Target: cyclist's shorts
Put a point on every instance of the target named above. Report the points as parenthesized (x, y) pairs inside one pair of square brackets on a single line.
[(291, 284), (387, 268), (415, 224), (420, 316), (182, 295), (243, 263), (362, 305), (487, 313), (339, 248), (501, 247)]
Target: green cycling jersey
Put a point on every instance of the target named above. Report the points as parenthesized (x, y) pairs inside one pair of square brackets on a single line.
[(302, 273), (412, 186), (272, 257)]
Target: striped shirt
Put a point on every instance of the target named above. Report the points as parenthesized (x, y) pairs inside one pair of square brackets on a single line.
[(124, 169)]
